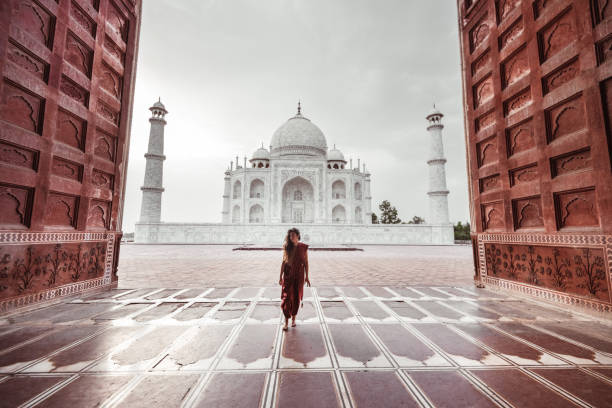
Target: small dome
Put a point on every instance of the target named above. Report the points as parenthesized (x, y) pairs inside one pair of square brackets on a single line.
[(261, 154), (158, 105), (335, 154), (434, 112)]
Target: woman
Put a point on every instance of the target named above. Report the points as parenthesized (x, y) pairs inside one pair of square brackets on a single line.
[(293, 274)]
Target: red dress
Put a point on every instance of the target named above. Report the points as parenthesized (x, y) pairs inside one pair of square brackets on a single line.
[(293, 280)]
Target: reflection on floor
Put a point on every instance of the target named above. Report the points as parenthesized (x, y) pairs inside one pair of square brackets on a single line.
[(353, 346)]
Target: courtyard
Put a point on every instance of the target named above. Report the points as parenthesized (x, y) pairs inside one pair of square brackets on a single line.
[(200, 326), (181, 266)]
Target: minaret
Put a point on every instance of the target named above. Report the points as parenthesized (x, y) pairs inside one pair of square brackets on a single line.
[(438, 193), (150, 210), (227, 190)]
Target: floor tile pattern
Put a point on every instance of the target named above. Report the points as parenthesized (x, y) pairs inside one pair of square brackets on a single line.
[(359, 346)]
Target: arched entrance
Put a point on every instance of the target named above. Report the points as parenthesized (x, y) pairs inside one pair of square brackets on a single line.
[(256, 214), (339, 215), (298, 201)]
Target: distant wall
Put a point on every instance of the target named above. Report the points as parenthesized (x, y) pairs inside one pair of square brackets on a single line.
[(273, 234)]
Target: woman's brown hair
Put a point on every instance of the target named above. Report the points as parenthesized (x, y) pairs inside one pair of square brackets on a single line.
[(288, 247)]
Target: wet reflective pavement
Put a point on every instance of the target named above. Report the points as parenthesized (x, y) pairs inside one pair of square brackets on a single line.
[(353, 347)]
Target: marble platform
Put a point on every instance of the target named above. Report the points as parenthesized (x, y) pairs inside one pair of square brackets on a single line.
[(369, 346)]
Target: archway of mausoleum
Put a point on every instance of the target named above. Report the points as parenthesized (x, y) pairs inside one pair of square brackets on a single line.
[(298, 201), (257, 189), (339, 214), (338, 190), (236, 214), (237, 190), (358, 194), (358, 216), (256, 214)]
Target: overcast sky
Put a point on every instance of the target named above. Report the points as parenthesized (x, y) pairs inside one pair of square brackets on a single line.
[(230, 73)]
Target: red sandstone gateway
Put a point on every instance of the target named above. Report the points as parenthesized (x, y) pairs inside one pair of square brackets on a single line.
[(538, 98), (66, 94)]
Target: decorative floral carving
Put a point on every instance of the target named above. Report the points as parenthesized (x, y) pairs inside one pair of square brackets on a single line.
[(520, 138), (562, 75), (575, 270), (527, 213), (105, 146), (101, 179), (117, 21), (516, 67), (517, 102), (557, 35), (26, 269), (74, 91), (67, 169), (14, 206), (27, 60), (493, 216), (113, 49), (83, 19), (18, 156), (35, 20), (487, 151), (504, 7), (566, 118), (483, 91), (490, 183), (70, 129), (78, 54), (481, 62), (523, 175), (21, 108), (479, 33), (61, 210), (484, 121), (511, 34), (110, 81), (108, 113), (577, 209), (571, 162), (98, 214)]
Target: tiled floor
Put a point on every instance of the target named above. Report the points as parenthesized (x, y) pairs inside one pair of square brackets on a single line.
[(369, 346), (182, 266)]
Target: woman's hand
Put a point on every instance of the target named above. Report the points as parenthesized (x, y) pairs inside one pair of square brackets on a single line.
[(280, 281), (307, 282)]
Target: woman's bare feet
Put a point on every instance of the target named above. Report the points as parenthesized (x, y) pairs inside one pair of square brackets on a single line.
[(293, 321), (286, 326)]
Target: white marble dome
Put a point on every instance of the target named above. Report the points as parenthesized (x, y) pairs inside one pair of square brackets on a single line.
[(298, 136)]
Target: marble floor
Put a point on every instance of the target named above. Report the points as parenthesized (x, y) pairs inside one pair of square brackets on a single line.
[(362, 346)]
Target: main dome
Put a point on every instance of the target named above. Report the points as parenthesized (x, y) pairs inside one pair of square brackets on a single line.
[(298, 136)]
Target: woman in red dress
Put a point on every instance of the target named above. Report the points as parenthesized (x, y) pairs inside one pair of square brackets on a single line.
[(293, 275)]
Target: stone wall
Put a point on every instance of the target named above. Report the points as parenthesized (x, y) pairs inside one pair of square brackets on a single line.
[(67, 70), (314, 234), (537, 102)]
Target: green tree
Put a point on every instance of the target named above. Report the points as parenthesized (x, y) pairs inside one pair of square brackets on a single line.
[(374, 218), (417, 220), (388, 213), (462, 231)]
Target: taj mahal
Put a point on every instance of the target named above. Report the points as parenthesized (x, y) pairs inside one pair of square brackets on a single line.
[(299, 181)]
